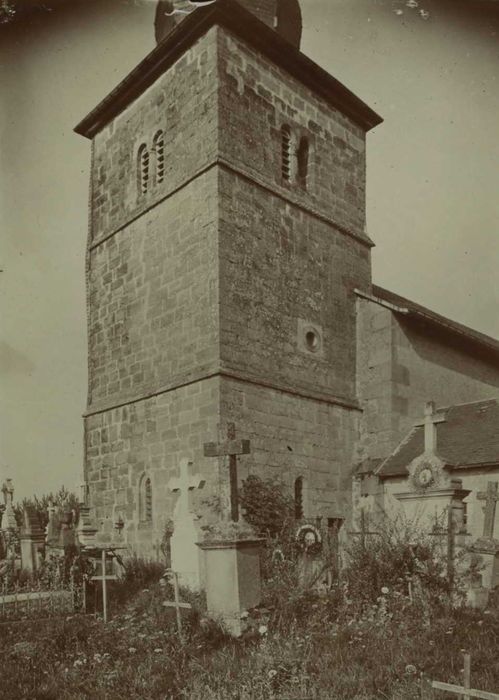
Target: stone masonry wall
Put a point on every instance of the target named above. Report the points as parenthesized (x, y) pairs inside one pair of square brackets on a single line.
[(292, 436), (150, 438), (401, 368), (285, 260), (183, 104), (153, 298), (256, 99)]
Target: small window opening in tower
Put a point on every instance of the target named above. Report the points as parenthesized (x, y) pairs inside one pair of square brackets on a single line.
[(145, 500), (299, 498), (312, 340), (302, 161), (143, 169), (286, 152), (159, 150)]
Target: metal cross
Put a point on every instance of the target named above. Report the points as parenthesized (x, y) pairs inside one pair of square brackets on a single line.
[(230, 448)]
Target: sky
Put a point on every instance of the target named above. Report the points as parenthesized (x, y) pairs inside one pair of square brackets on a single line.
[(430, 70)]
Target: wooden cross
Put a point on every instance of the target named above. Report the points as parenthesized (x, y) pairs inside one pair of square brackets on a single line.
[(104, 578), (491, 496), (230, 448), (176, 602), (182, 485)]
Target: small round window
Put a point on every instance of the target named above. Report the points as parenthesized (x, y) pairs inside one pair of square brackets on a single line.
[(312, 340)]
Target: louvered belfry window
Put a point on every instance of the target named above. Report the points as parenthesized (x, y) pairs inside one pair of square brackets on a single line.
[(286, 152), (142, 169), (159, 150)]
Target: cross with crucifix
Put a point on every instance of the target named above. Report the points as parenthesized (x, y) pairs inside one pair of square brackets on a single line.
[(182, 485), (230, 448), (491, 496)]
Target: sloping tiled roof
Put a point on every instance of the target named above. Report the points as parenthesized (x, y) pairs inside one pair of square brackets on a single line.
[(469, 437), (414, 311)]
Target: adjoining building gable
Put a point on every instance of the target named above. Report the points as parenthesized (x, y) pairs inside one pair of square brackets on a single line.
[(468, 437)]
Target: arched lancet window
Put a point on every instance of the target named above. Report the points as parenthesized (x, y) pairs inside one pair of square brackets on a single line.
[(159, 150), (302, 161), (145, 500), (286, 152), (299, 498), (142, 169)]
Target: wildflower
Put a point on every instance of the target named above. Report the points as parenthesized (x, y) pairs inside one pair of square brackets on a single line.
[(385, 590), (244, 615), (262, 629), (162, 582), (106, 655), (272, 673), (399, 12), (410, 668), (132, 650), (146, 590), (158, 651), (78, 662), (424, 14), (411, 3), (142, 635)]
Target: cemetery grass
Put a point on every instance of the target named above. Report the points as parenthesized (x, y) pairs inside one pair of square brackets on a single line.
[(304, 646)]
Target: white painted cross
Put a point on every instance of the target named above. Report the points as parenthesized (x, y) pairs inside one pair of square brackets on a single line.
[(182, 485)]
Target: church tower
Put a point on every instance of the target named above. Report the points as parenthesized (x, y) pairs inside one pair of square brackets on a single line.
[(227, 237)]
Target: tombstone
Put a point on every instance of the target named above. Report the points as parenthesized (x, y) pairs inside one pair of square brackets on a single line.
[(487, 546), (32, 540), (311, 569), (184, 551), (86, 529), (232, 561), (53, 544), (67, 535), (9, 518)]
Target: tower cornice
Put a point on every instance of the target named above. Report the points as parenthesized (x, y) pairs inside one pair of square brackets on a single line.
[(228, 14)]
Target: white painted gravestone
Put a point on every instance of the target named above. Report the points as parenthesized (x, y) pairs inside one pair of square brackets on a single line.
[(184, 551)]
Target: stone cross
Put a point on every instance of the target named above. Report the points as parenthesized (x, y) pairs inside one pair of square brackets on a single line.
[(182, 485), (491, 496), (431, 420), (231, 448)]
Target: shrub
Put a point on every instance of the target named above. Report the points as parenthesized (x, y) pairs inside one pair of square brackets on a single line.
[(266, 506)]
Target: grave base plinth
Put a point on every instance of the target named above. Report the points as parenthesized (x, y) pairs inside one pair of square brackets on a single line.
[(233, 582)]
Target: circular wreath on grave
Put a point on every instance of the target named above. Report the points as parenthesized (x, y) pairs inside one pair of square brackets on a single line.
[(309, 539), (424, 475)]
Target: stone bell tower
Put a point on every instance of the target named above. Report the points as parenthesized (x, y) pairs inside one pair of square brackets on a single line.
[(226, 238)]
